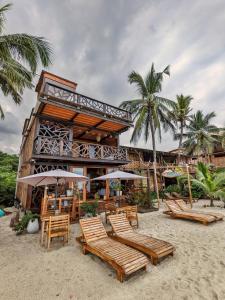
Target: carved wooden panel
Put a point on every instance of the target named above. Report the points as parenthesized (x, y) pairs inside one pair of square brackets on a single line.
[(53, 138), (39, 168)]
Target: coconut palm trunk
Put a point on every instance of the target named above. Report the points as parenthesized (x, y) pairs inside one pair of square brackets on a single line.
[(154, 157)]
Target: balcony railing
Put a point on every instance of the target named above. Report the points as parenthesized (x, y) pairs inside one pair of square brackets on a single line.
[(86, 102), (59, 147)]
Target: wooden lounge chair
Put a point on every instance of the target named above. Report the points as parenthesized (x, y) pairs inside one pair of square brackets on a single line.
[(124, 233), (184, 207), (122, 258), (176, 212)]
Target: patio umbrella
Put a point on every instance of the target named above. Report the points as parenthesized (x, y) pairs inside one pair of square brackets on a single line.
[(52, 177), (120, 175)]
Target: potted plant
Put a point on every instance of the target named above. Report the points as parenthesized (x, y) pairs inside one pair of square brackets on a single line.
[(28, 222), (118, 187), (90, 209)]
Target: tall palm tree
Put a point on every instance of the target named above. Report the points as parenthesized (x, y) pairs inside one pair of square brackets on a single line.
[(150, 110), (20, 54), (181, 114), (212, 183), (201, 134)]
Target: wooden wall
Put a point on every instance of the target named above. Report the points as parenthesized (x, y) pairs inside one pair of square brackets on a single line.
[(23, 192)]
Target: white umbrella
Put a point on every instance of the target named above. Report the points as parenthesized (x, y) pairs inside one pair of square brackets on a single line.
[(120, 175), (52, 177)]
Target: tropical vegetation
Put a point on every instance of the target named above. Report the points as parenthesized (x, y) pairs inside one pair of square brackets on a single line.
[(150, 111), (8, 171), (211, 182), (201, 134), (180, 115), (20, 55)]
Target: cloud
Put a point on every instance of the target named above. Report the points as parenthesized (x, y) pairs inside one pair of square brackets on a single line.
[(97, 43)]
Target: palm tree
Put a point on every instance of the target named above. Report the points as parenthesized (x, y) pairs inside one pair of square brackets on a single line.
[(19, 58), (201, 134), (212, 183), (150, 110), (181, 114)]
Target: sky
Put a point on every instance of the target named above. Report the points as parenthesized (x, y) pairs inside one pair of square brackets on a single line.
[(97, 43)]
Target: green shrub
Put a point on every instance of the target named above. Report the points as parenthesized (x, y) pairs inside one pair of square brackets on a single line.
[(90, 209), (143, 199), (172, 188), (22, 225)]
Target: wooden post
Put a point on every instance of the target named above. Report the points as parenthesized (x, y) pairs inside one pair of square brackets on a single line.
[(61, 147), (156, 182), (189, 184), (85, 185), (107, 187)]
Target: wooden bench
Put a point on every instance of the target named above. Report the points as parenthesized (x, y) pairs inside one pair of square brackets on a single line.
[(124, 233), (122, 258)]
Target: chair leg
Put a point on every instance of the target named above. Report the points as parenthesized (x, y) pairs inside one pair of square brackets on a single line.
[(49, 240)]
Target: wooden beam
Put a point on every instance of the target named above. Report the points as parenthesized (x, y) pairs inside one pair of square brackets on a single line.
[(74, 116), (78, 159)]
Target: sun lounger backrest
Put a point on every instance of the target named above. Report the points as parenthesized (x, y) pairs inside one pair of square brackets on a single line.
[(120, 223), (171, 204), (182, 204), (92, 229)]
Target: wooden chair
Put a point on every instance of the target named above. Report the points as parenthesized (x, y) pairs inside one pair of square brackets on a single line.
[(176, 212), (122, 258), (110, 208), (132, 215), (124, 233), (184, 207), (58, 227)]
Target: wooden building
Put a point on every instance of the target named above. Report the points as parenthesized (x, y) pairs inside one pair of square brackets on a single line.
[(76, 133), (70, 131)]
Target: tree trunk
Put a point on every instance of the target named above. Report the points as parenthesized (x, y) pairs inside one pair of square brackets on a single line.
[(154, 157), (211, 202), (148, 188), (180, 140)]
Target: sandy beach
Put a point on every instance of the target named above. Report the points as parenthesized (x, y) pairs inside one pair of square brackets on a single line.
[(197, 270)]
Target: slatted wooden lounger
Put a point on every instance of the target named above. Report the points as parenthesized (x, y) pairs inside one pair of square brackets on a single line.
[(184, 207), (124, 233), (122, 258), (176, 212)]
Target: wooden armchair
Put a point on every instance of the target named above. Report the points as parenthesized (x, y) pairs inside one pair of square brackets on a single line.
[(58, 227), (131, 214), (110, 209)]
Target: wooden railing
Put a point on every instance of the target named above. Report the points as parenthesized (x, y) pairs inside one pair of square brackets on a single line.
[(76, 149), (86, 102)]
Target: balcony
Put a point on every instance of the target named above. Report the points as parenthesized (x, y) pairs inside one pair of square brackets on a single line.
[(78, 151), (86, 103)]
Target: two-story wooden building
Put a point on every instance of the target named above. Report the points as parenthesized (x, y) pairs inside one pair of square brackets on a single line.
[(70, 131)]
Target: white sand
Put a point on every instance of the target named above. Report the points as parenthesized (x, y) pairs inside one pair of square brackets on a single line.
[(197, 270)]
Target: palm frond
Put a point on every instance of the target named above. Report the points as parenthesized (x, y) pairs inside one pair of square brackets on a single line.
[(3, 10), (26, 48), (137, 79)]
